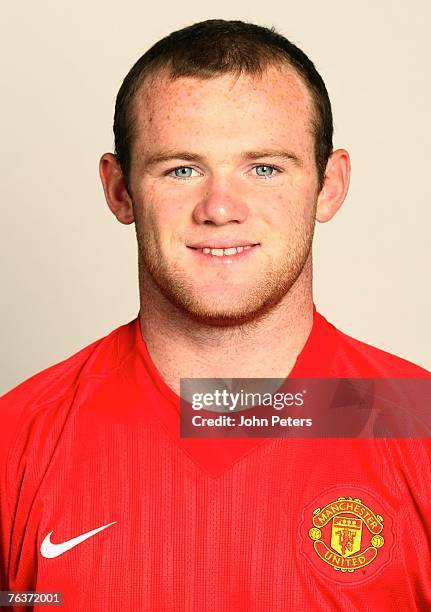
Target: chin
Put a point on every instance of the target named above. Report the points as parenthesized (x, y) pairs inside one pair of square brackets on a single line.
[(229, 314), (217, 303), (220, 318)]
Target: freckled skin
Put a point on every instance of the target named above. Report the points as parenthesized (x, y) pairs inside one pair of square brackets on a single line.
[(219, 119)]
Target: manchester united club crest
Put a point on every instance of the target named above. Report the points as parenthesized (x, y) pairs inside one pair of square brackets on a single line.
[(347, 518), (349, 537)]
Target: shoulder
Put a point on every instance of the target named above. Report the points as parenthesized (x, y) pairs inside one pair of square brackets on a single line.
[(357, 358), (48, 384), (54, 387)]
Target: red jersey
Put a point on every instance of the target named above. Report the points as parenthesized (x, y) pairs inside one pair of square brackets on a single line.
[(102, 500)]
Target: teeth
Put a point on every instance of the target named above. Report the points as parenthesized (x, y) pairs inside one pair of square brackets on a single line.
[(222, 252)]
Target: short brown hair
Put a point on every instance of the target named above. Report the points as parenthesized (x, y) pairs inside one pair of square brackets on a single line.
[(214, 47)]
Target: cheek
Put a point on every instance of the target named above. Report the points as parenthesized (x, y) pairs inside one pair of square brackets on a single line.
[(303, 201), (283, 212), (170, 217), (161, 210), (289, 219)]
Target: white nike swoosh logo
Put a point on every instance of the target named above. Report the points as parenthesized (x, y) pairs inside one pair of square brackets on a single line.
[(50, 550)]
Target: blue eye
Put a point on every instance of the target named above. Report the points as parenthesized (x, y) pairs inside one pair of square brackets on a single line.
[(264, 170), (183, 172)]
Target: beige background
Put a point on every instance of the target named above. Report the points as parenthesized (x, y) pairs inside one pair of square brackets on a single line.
[(69, 268)]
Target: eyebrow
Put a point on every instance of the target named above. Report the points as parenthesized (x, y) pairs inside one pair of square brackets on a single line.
[(171, 154)]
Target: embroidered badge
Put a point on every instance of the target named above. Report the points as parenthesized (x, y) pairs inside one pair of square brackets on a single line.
[(348, 539), (353, 537)]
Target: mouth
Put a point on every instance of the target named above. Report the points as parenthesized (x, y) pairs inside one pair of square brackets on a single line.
[(224, 252)]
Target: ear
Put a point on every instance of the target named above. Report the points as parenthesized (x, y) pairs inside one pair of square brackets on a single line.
[(114, 186), (335, 186)]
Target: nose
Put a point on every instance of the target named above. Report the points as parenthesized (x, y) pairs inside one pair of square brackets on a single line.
[(220, 205)]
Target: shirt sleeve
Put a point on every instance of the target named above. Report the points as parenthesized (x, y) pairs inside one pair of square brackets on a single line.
[(11, 410)]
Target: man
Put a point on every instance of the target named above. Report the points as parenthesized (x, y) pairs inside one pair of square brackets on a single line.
[(224, 161)]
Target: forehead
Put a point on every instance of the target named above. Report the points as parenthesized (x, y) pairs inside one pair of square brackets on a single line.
[(225, 110)]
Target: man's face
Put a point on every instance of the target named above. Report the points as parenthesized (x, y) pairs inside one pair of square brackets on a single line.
[(224, 189)]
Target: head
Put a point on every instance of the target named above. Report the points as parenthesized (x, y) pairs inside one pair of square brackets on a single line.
[(223, 139)]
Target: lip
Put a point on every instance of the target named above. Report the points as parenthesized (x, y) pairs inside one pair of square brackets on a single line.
[(222, 244), (211, 260)]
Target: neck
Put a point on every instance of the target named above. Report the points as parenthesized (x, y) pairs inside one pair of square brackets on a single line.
[(181, 347)]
